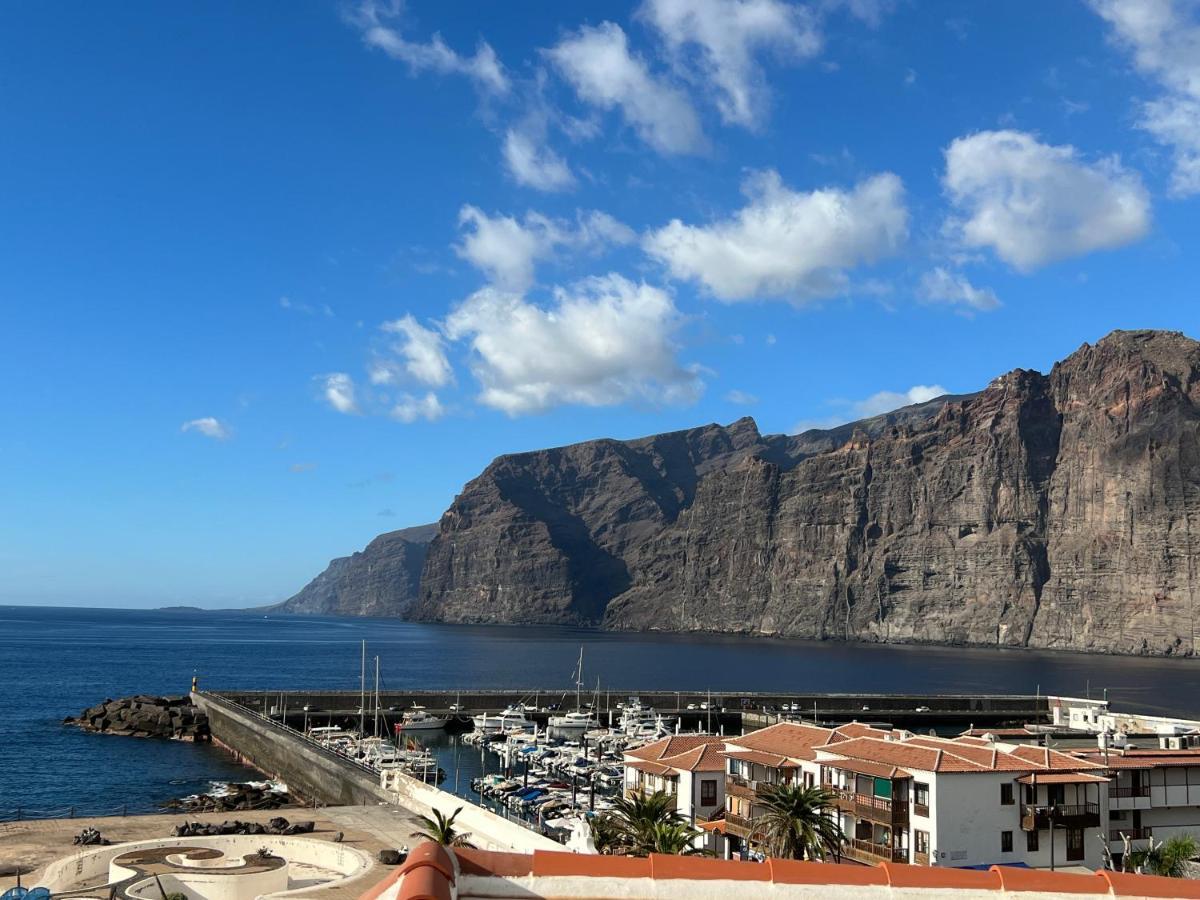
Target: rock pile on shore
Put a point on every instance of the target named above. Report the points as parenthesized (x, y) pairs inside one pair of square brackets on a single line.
[(234, 798), (277, 825), (146, 716)]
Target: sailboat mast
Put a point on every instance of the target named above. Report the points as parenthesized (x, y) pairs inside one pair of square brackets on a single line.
[(377, 696), (579, 681), (362, 691)]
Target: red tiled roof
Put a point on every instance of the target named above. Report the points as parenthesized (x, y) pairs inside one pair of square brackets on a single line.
[(703, 759), (869, 767), (428, 878), (650, 768), (771, 760), (790, 739), (1062, 778), (674, 745), (1052, 759), (1138, 762)]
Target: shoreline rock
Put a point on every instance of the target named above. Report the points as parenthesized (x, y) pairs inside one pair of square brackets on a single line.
[(237, 797), (146, 716)]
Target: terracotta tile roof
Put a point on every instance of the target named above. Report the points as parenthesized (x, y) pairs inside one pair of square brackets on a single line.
[(791, 739), (428, 877), (858, 729), (763, 758), (869, 767), (1052, 759), (649, 767), (703, 759), (1062, 778), (673, 746), (1115, 761)]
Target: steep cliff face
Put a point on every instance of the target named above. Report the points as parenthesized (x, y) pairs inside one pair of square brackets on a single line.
[(1050, 511), (380, 580)]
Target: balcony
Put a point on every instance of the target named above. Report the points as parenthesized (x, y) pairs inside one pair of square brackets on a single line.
[(1119, 793), (739, 825), (920, 859), (871, 853), (1135, 834), (872, 808), (1082, 815), (921, 809)]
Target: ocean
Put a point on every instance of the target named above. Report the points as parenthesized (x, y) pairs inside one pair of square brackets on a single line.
[(54, 662)]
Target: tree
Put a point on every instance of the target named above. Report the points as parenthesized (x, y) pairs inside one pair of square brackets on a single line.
[(641, 824), (440, 829), (796, 823), (1169, 858)]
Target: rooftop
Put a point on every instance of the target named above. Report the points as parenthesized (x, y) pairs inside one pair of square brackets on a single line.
[(436, 872)]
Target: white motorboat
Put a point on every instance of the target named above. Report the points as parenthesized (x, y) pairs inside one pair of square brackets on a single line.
[(577, 722), (416, 719), (512, 719)]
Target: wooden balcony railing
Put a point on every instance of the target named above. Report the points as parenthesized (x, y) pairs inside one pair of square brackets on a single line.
[(1135, 834), (921, 809), (920, 859), (1141, 790), (740, 825), (868, 806), (1080, 815), (867, 851)]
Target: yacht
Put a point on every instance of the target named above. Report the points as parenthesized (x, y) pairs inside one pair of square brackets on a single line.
[(512, 719), (580, 720), (416, 719)]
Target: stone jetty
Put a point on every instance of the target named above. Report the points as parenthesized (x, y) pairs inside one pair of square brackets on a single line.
[(146, 716)]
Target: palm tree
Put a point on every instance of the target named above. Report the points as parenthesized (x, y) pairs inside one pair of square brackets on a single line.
[(674, 838), (1169, 858), (638, 822), (796, 823), (440, 829), (606, 834)]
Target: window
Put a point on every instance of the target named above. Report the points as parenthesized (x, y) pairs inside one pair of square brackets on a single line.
[(1006, 842), (1056, 794), (708, 792), (920, 794), (921, 841), (1006, 794), (1030, 794), (1031, 841)]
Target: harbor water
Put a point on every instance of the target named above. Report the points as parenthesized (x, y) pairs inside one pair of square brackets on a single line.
[(54, 662)]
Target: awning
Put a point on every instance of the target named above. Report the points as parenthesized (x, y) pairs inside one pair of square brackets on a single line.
[(1061, 778), (718, 826)]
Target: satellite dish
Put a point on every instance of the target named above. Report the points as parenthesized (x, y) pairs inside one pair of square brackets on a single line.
[(17, 893), (38, 893)]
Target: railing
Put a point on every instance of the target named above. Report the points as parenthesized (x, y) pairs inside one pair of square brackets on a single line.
[(1080, 815), (736, 821), (24, 813), (873, 852), (920, 859), (921, 809), (1141, 790), (872, 807), (1134, 834)]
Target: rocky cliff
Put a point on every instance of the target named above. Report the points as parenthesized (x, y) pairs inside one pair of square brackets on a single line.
[(1044, 511), (380, 580)]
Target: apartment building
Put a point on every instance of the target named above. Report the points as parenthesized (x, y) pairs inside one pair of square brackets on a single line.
[(689, 767), (900, 797)]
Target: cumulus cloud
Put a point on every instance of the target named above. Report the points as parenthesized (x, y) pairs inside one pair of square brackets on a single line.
[(210, 427), (422, 353), (379, 30), (786, 243), (875, 405), (408, 408), (604, 73), (1163, 37), (725, 36), (337, 389), (953, 288), (531, 163), (506, 249), (1034, 203), (603, 341)]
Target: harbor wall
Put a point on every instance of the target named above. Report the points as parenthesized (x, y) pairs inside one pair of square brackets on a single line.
[(318, 774)]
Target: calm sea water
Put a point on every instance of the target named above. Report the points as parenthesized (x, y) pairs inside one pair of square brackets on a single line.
[(54, 662)]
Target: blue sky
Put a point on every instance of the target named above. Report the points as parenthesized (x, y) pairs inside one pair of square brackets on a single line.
[(276, 280)]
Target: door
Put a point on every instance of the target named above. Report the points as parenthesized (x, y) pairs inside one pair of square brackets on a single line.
[(1074, 844)]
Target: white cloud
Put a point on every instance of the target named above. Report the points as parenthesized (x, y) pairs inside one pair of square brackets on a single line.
[(727, 34), (941, 286), (1034, 203), (338, 390), (408, 408), (604, 341), (598, 64), (787, 243), (741, 398), (534, 164), (875, 405), (209, 427), (423, 353), (506, 250), (1164, 39), (484, 68)]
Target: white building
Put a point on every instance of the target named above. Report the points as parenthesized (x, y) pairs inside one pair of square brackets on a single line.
[(690, 767), (965, 802)]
